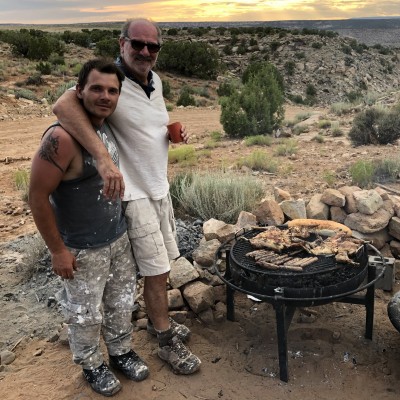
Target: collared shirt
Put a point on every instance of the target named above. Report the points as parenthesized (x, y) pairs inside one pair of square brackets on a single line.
[(147, 88)]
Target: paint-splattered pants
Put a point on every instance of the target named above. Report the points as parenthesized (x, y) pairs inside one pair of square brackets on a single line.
[(100, 298)]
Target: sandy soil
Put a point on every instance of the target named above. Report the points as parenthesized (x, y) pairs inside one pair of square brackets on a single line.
[(329, 358)]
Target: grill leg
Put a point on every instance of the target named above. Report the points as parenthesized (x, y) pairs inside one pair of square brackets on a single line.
[(230, 303), (284, 317), (370, 303)]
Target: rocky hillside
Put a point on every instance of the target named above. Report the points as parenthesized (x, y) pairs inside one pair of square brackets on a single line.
[(336, 67), (318, 69)]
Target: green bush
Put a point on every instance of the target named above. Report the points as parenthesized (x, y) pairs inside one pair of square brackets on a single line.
[(257, 106), (259, 161), (51, 96), (362, 173), (25, 94), (218, 194), (44, 68), (194, 59), (258, 140), (183, 154), (166, 89), (185, 98), (375, 126), (107, 48)]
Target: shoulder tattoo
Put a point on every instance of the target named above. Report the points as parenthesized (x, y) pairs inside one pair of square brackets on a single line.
[(49, 149)]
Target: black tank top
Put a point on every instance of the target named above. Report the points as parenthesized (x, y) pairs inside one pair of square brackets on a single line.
[(85, 218)]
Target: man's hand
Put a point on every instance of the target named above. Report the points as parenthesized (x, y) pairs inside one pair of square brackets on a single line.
[(64, 264), (114, 185), (185, 134)]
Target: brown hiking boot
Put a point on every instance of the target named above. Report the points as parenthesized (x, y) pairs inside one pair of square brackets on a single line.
[(179, 357)]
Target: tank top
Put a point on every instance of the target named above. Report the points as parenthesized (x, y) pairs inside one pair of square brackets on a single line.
[(85, 218)]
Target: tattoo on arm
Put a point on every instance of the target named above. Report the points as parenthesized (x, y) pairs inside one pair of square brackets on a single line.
[(49, 149)]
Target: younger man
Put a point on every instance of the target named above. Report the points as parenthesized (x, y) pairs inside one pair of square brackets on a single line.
[(86, 236)]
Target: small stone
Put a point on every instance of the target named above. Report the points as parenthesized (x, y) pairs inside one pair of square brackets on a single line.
[(387, 371), (7, 357), (336, 335), (38, 352)]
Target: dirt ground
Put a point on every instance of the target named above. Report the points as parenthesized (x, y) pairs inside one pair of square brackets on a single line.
[(329, 358)]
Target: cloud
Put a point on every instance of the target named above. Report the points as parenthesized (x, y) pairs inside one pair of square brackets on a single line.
[(75, 11)]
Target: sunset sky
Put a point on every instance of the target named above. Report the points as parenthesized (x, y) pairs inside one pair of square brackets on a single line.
[(72, 11)]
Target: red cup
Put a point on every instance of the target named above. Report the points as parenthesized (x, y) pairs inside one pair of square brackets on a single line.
[(174, 132)]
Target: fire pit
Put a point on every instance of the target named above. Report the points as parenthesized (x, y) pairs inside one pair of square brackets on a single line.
[(323, 281)]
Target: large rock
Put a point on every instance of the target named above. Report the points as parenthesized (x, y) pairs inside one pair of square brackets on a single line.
[(211, 227), (281, 195), (377, 239), (338, 214), (369, 223), (268, 212), (394, 227), (182, 272), (204, 254), (245, 220), (333, 197), (368, 201), (199, 296), (316, 209), (175, 299), (348, 192), (294, 209)]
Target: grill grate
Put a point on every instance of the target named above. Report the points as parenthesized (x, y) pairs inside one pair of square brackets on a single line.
[(324, 276)]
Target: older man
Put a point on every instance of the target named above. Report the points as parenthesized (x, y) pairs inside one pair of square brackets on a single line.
[(140, 127)]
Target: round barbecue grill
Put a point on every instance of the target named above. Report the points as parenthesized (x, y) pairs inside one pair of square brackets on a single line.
[(321, 282)]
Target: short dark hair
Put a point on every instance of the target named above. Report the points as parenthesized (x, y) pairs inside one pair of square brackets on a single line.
[(103, 65)]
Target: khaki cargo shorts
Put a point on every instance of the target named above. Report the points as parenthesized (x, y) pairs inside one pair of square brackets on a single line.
[(152, 233)]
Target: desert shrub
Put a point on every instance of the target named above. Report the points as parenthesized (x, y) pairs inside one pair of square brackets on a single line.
[(218, 194), (341, 108), (324, 124), (166, 89), (375, 126), (290, 67), (362, 173), (257, 106), (299, 129), (258, 140), (34, 44), (185, 98), (216, 135), (329, 177), (107, 48), (44, 68), (336, 131), (259, 161), (195, 59), (35, 80), (21, 179), (286, 148), (318, 138), (52, 96), (25, 94), (296, 98), (354, 96), (316, 45), (185, 155), (302, 117)]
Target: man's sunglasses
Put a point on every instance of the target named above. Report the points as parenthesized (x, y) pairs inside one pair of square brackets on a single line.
[(139, 46)]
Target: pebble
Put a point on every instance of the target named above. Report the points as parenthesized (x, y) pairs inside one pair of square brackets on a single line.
[(7, 357)]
